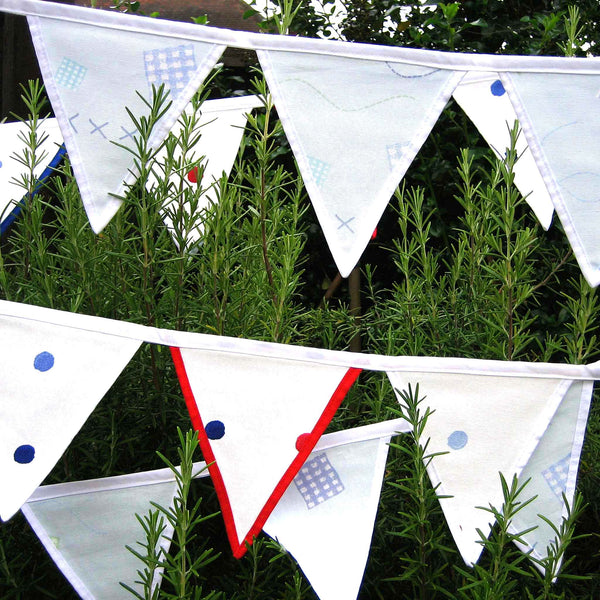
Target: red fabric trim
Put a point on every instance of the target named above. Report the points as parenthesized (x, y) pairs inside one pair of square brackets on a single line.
[(207, 452), (318, 430), (239, 548)]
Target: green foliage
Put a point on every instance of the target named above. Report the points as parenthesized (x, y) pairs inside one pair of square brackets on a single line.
[(460, 268)]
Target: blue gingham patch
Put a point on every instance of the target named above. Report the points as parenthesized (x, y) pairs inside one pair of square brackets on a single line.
[(556, 476), (172, 67), (318, 481), (319, 169), (70, 74)]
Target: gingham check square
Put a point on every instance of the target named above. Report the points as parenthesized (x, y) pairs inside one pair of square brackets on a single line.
[(172, 67), (556, 476), (318, 481), (319, 169), (70, 74)]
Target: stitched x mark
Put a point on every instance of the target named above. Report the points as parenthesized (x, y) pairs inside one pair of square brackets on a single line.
[(98, 128), (128, 134), (345, 223), (71, 121)]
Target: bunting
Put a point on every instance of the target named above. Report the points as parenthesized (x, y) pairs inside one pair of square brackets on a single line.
[(483, 98), (560, 115), (552, 473), (261, 407), (482, 425), (355, 114), (257, 428), (85, 526), (355, 127), (334, 499), (220, 127), (12, 143), (93, 75), (52, 378)]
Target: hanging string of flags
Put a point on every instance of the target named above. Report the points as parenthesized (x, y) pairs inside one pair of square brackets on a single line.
[(262, 431), (355, 114)]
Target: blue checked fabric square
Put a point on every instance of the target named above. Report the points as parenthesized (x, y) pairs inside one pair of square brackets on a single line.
[(318, 481), (70, 74), (556, 476), (319, 169), (172, 66)]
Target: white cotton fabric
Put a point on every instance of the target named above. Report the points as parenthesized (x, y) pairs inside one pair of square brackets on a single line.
[(560, 115), (325, 518), (13, 138), (552, 471), (92, 74), (484, 426), (483, 98), (265, 405), (355, 126), (220, 125), (52, 379), (86, 525)]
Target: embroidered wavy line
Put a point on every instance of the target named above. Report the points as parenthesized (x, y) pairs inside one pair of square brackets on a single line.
[(389, 66), (322, 95)]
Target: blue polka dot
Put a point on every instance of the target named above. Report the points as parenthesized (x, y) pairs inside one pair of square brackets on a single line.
[(0, 164), (24, 454), (215, 430), (457, 440), (44, 361), (497, 88)]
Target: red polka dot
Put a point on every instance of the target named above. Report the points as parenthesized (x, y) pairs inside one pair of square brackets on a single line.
[(193, 175), (374, 234), (302, 441)]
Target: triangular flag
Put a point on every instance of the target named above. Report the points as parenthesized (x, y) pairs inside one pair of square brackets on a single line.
[(92, 71), (86, 525), (483, 97), (220, 125), (485, 425), (355, 126), (334, 499), (258, 419), (12, 142), (552, 471), (560, 115), (52, 378)]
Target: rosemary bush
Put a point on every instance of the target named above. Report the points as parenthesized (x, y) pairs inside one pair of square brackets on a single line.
[(467, 274)]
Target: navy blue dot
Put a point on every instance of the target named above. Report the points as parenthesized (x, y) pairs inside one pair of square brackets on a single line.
[(497, 88), (457, 440), (44, 361), (24, 454), (215, 430)]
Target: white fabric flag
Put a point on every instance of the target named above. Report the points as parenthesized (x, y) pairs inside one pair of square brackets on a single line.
[(355, 126), (52, 379), (552, 470), (12, 142), (86, 525), (92, 73), (487, 425), (483, 98), (257, 419), (560, 115), (325, 518), (220, 124)]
